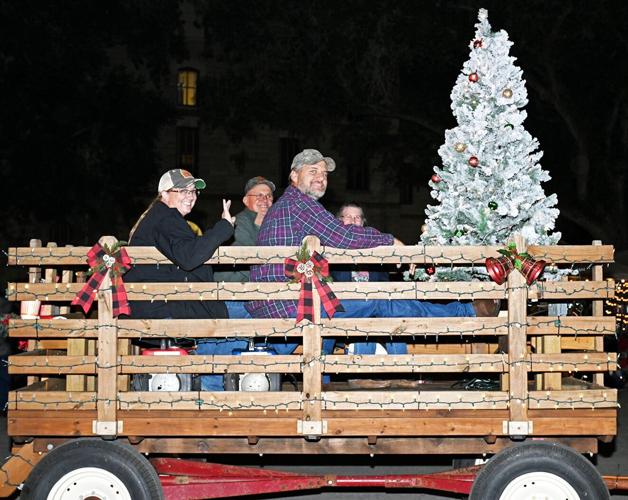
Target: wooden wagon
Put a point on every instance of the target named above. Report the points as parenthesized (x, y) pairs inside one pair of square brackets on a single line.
[(79, 427)]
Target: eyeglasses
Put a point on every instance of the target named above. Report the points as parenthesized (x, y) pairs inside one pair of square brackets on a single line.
[(262, 196), (185, 192)]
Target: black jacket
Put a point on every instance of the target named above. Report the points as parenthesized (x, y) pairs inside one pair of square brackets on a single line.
[(166, 229)]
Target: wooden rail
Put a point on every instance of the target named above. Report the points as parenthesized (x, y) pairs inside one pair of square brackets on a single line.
[(80, 368)]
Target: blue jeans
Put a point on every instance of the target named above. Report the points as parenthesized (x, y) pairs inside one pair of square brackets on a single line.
[(218, 347), (236, 309), (353, 308), (223, 347), (369, 348)]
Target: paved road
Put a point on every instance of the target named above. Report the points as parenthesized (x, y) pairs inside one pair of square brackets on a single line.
[(613, 459)]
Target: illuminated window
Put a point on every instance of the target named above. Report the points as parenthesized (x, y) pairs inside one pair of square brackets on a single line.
[(186, 87)]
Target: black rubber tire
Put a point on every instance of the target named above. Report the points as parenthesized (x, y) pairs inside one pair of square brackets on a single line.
[(139, 382), (232, 381), (126, 464), (553, 458)]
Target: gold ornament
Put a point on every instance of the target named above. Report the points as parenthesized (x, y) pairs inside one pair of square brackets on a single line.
[(507, 93), (424, 228), (460, 147)]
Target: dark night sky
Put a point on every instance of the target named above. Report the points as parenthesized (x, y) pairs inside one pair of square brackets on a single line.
[(72, 121)]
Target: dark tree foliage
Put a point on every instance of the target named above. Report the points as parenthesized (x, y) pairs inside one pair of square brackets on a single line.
[(376, 78), (82, 103)]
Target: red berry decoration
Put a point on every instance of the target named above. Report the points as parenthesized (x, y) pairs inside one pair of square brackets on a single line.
[(474, 77), (436, 179), (473, 161), (430, 270), (477, 44)]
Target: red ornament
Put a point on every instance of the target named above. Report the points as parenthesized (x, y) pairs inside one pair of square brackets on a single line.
[(473, 161), (531, 269), (474, 77), (436, 179), (430, 270), (499, 268), (477, 44)]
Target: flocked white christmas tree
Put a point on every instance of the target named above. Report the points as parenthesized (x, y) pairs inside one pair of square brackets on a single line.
[(489, 184)]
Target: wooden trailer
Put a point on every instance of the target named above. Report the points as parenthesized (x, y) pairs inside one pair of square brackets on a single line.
[(80, 426)]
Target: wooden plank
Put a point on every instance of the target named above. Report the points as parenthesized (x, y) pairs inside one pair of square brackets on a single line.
[(343, 446), (598, 311), (442, 348), (31, 308), (568, 327), (67, 276), (588, 399), (107, 354), (16, 469), (582, 423), (414, 400), (555, 290), (418, 363), (74, 328), (565, 254), (77, 347), (123, 380), (211, 364), (571, 290), (568, 254), (571, 325), (47, 364), (348, 290), (53, 401), (518, 372), (312, 348), (267, 402), (345, 327), (56, 292), (550, 344), (56, 344), (575, 427), (572, 362), (577, 343), (91, 350)]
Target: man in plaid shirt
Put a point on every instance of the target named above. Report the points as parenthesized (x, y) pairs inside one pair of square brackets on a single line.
[(297, 214)]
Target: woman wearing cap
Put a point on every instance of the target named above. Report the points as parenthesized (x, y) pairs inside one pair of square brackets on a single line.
[(163, 226)]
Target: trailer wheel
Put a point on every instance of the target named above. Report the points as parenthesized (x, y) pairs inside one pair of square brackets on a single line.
[(93, 468), (539, 470)]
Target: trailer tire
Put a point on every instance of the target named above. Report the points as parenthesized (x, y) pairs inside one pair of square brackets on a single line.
[(549, 470), (92, 467)]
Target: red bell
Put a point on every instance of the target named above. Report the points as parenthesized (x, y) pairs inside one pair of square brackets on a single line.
[(499, 268), (531, 269)]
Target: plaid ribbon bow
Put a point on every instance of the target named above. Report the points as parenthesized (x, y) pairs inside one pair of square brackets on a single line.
[(101, 261), (313, 270)]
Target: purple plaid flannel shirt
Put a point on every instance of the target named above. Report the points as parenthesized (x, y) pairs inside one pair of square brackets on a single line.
[(290, 219)]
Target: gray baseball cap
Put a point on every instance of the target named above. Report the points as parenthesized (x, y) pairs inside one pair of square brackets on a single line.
[(310, 157), (178, 178), (251, 183)]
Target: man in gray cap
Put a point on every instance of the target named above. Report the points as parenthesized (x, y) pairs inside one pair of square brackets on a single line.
[(258, 198), (296, 214)]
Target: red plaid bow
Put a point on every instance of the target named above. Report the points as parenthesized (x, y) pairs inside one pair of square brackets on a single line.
[(308, 272), (101, 262)]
